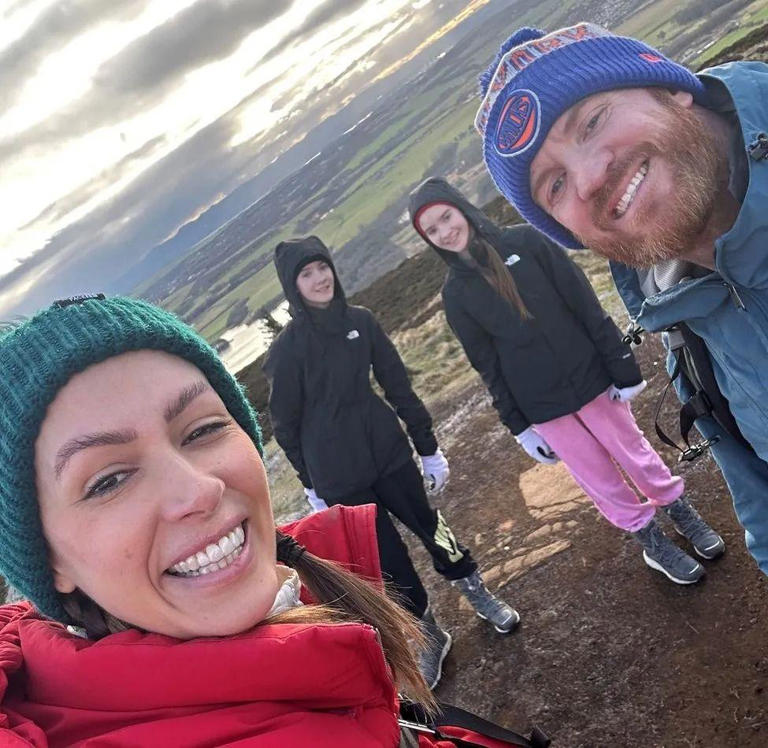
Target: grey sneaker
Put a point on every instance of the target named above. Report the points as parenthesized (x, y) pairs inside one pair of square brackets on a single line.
[(438, 644), (660, 553), (503, 617), (705, 541)]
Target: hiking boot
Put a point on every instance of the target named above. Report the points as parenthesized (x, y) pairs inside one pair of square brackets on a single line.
[(705, 541), (660, 553), (503, 617), (438, 642)]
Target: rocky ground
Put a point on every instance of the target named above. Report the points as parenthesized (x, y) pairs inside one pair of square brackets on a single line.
[(609, 653)]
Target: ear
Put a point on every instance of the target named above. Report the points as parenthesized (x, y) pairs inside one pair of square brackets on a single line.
[(683, 98)]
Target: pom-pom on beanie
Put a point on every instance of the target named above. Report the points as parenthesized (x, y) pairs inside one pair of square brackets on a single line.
[(37, 358), (536, 77)]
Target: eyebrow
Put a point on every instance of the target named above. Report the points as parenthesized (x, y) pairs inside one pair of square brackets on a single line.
[(110, 438), (574, 114), (98, 439), (184, 398)]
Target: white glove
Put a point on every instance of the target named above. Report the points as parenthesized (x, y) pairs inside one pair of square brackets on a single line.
[(625, 394), (435, 469), (536, 447), (315, 501)]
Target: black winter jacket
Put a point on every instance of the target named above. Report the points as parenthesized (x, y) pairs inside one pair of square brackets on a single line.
[(544, 367), (337, 433)]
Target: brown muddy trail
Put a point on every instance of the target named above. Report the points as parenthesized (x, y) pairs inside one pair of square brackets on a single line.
[(609, 652)]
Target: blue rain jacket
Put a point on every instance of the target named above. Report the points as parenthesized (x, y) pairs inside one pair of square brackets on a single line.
[(728, 309)]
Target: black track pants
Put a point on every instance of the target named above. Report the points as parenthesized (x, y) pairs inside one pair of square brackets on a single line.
[(402, 493)]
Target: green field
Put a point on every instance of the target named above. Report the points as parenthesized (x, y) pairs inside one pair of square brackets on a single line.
[(360, 205), (402, 154)]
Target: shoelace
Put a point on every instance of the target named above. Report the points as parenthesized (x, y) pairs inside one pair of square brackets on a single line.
[(665, 552), (691, 524)]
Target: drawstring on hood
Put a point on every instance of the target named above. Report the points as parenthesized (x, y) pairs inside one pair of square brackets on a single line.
[(290, 257)]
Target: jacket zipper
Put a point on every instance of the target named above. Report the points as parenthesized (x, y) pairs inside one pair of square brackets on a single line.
[(735, 298)]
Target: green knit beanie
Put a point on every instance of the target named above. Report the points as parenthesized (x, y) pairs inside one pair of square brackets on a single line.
[(37, 358)]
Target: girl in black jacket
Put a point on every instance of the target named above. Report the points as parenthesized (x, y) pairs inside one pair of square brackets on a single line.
[(346, 443), (558, 372)]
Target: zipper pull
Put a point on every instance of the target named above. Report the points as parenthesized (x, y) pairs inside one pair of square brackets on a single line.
[(735, 298)]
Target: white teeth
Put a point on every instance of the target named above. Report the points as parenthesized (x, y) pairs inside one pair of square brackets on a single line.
[(214, 552), (226, 545), (216, 556), (626, 198)]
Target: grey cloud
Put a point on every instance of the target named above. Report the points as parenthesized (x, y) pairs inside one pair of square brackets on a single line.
[(100, 182), (50, 31), (138, 76), (354, 75), (89, 254), (329, 11), (204, 32)]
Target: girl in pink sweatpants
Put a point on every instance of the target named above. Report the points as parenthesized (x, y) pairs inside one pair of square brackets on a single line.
[(598, 438), (559, 374)]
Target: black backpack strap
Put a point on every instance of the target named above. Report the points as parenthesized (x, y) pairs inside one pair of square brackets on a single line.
[(689, 412), (413, 717), (698, 369)]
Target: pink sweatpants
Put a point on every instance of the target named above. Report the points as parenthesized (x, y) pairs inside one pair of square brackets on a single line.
[(591, 439)]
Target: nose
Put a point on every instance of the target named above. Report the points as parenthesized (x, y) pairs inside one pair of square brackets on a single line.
[(591, 173), (189, 489)]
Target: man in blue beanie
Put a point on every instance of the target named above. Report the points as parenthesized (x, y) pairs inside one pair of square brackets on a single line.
[(601, 141)]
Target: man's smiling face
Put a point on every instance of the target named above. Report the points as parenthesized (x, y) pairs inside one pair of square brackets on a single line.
[(632, 173)]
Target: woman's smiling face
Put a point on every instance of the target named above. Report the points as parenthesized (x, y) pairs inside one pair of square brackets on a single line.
[(445, 226), (154, 501)]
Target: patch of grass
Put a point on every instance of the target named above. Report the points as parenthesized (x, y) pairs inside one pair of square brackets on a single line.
[(650, 19), (435, 359), (755, 16), (284, 487)]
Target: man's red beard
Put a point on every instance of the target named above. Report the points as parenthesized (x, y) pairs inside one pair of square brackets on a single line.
[(672, 227)]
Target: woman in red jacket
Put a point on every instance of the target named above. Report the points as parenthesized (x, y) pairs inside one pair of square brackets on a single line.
[(135, 518)]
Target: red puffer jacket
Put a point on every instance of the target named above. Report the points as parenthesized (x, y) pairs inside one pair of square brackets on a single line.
[(276, 685)]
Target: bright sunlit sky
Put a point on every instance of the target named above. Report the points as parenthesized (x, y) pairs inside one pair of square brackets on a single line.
[(120, 118)]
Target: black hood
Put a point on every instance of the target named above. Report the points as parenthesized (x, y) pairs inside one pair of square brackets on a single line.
[(437, 190), (290, 257)]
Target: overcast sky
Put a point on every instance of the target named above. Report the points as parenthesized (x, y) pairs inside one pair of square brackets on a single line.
[(123, 119)]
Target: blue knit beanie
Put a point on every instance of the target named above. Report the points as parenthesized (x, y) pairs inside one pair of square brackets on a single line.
[(538, 76), (37, 358)]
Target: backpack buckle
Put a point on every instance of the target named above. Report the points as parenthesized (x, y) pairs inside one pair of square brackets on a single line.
[(758, 148), (697, 450)]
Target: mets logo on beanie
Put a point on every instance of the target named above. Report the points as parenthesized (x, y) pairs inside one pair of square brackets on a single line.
[(518, 123)]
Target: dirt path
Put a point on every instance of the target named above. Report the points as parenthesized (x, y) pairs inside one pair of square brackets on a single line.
[(609, 652)]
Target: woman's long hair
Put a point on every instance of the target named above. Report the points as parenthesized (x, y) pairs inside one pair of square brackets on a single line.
[(497, 273), (342, 597)]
